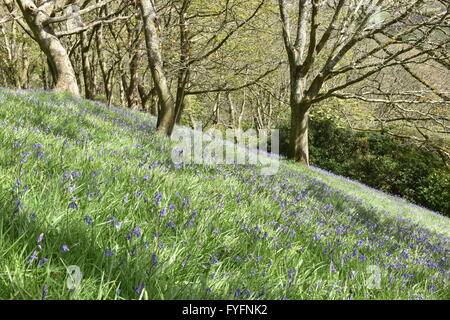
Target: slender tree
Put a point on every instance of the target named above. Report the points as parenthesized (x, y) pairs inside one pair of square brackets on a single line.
[(37, 19), (40, 18), (152, 33)]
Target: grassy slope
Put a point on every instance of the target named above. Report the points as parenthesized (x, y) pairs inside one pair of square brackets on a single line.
[(163, 232)]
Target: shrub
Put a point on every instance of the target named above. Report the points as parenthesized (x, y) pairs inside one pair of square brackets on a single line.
[(379, 161)]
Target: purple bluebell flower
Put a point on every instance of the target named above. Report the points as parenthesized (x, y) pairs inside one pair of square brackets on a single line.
[(360, 242), (432, 288), (109, 252), (248, 292), (44, 292), (163, 212), (88, 220), (114, 221), (18, 204), (291, 276), (261, 293), (73, 205), (170, 225), (213, 259), (190, 224), (318, 236), (178, 166), (139, 288), (32, 257), (24, 156), (42, 261), (75, 174), (332, 267), (137, 232), (186, 201), (64, 248), (154, 260), (158, 198)]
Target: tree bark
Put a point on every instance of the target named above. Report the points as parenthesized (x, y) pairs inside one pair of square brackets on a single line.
[(36, 19), (184, 105), (184, 72), (166, 114), (86, 66), (133, 90), (102, 63), (298, 144), (299, 105)]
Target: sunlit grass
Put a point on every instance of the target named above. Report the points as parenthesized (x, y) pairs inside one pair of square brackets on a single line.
[(103, 191)]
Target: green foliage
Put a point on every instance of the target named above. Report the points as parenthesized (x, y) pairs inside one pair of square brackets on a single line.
[(379, 161)]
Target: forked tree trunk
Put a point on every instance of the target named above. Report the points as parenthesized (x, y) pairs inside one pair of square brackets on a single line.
[(64, 75)]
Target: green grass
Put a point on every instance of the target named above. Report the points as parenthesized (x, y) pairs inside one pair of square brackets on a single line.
[(227, 232)]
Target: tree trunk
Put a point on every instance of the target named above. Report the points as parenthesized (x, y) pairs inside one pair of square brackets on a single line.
[(166, 114), (86, 66), (232, 110), (106, 75), (44, 78), (133, 90), (298, 144), (154, 103), (184, 106), (65, 80), (184, 72)]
